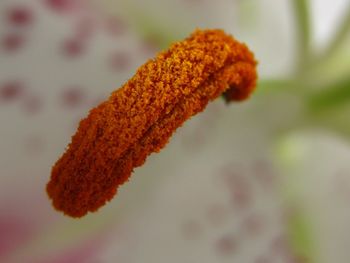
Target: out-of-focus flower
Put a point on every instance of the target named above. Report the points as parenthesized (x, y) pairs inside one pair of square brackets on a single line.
[(220, 191)]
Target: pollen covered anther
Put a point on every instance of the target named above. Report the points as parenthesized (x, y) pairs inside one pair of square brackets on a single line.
[(140, 117)]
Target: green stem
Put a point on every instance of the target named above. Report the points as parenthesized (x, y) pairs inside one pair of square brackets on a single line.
[(272, 85), (302, 19), (333, 96)]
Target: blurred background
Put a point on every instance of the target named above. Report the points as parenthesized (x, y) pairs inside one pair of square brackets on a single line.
[(263, 181)]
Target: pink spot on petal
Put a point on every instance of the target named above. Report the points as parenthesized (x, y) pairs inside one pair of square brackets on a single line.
[(73, 97), (115, 26), (12, 42), (253, 225), (119, 61), (226, 245), (14, 232), (63, 6), (73, 48), (20, 16), (10, 91), (280, 246), (239, 189), (32, 104)]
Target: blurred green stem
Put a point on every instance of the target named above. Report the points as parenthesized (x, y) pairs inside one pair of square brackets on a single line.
[(334, 95), (302, 20), (273, 85)]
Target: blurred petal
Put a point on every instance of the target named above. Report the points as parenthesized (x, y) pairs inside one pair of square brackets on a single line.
[(316, 182)]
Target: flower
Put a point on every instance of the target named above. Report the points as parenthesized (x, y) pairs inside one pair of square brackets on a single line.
[(219, 191)]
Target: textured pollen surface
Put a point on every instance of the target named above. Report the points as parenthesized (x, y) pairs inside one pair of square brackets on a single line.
[(139, 118)]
